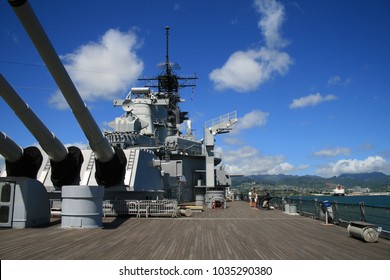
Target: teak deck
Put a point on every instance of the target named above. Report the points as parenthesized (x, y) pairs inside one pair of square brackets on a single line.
[(237, 232)]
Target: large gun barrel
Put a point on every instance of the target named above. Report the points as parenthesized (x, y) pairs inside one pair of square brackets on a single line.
[(65, 163), (110, 162), (48, 141), (99, 144), (9, 149), (20, 162)]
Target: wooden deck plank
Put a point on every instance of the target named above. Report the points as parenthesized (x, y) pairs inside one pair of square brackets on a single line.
[(237, 232)]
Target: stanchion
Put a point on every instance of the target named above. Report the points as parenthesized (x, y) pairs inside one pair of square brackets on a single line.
[(326, 220)]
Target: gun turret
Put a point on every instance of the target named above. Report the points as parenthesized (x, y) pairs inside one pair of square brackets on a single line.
[(110, 162), (9, 149), (20, 162), (65, 165), (48, 141)]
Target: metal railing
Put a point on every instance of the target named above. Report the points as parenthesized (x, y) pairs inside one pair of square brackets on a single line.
[(120, 207), (343, 213), (232, 116), (157, 208), (138, 208)]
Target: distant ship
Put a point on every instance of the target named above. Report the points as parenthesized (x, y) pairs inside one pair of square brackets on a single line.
[(338, 191)]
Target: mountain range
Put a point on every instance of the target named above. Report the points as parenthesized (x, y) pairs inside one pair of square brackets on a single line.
[(373, 180)]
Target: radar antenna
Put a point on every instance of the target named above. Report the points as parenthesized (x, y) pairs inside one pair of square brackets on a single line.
[(168, 82)]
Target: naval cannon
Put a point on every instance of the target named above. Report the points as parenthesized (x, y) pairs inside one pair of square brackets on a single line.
[(65, 162), (110, 162), (20, 162)]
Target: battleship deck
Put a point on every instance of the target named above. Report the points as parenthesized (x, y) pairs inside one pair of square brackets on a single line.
[(237, 232)]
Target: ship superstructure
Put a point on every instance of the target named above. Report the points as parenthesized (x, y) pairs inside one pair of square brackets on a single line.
[(152, 112), (144, 156)]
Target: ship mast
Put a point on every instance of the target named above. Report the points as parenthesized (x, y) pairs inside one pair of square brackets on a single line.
[(168, 84), (167, 68)]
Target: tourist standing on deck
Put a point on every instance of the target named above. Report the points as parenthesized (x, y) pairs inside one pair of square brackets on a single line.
[(256, 197), (250, 198)]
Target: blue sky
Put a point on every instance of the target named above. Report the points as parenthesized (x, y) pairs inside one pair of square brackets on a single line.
[(309, 80)]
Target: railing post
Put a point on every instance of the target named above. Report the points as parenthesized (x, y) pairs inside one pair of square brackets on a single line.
[(336, 211), (362, 212), (315, 207)]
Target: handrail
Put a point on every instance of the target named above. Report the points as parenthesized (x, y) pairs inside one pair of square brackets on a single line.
[(343, 213), (222, 119)]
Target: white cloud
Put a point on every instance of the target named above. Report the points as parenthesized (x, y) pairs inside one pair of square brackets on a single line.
[(333, 152), (79, 145), (311, 100), (243, 152), (338, 81), (249, 161), (353, 166), (101, 70), (233, 141), (281, 168), (272, 17), (252, 119), (255, 118), (246, 70)]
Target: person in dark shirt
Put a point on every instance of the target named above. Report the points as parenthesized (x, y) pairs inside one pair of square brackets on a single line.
[(265, 199)]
